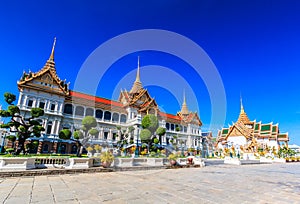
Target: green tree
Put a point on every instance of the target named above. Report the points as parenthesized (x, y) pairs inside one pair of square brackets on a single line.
[(24, 127), (150, 122), (88, 126), (65, 134), (78, 135), (160, 132), (146, 137)]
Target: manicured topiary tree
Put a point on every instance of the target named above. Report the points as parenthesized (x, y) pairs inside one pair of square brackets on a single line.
[(24, 127), (88, 127), (150, 122), (65, 134), (160, 132)]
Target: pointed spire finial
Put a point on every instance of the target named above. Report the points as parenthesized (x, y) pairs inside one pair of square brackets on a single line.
[(184, 108), (184, 99), (137, 85), (242, 107), (138, 71), (51, 58)]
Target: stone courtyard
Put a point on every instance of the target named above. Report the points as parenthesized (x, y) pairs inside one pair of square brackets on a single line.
[(215, 183)]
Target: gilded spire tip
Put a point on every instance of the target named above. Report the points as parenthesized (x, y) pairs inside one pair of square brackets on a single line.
[(52, 52)]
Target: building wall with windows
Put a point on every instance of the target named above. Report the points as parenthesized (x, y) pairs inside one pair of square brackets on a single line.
[(65, 108)]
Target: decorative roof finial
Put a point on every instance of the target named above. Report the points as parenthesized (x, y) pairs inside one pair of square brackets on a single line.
[(51, 58), (138, 71), (137, 85), (243, 116), (184, 108), (184, 99), (242, 107)]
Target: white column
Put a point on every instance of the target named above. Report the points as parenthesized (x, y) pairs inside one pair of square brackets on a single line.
[(25, 101), (102, 133), (53, 127), (45, 125), (57, 127), (47, 105), (59, 107), (37, 102), (20, 99), (110, 135)]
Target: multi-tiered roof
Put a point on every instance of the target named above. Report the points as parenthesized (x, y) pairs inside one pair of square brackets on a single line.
[(251, 130)]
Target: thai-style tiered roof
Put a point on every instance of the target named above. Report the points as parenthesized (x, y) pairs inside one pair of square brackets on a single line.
[(140, 98), (45, 79), (251, 130), (187, 116), (243, 117), (137, 85)]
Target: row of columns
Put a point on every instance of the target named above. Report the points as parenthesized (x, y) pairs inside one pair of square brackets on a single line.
[(23, 100)]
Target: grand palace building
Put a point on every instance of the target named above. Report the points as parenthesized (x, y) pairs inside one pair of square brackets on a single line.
[(250, 136), (65, 108)]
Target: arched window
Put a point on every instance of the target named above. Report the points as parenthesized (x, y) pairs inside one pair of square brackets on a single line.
[(172, 127), (29, 102), (49, 127), (114, 136), (105, 135), (74, 149), (123, 118), (45, 148), (115, 117), (167, 126), (62, 149), (79, 111), (68, 109), (107, 115), (99, 114), (89, 112)]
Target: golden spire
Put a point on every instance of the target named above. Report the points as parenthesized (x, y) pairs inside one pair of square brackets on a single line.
[(137, 85), (243, 116), (184, 108), (51, 58), (242, 107)]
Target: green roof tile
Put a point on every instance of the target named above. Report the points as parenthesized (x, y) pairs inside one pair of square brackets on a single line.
[(225, 131), (265, 128)]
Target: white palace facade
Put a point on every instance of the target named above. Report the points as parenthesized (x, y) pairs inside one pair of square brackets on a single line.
[(65, 108)]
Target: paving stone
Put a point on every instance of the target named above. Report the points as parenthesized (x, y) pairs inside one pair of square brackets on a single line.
[(277, 183)]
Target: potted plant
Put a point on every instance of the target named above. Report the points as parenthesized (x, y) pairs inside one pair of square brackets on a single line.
[(106, 159), (89, 149), (98, 149), (172, 158)]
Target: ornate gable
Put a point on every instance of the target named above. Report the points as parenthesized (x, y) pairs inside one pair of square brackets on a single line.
[(191, 118), (45, 79), (239, 129)]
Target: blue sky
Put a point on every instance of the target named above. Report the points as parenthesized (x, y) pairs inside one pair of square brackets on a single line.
[(254, 45)]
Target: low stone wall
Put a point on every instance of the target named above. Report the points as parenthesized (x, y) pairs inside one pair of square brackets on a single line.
[(123, 162), (140, 161), (38, 163), (17, 163), (83, 163), (79, 163)]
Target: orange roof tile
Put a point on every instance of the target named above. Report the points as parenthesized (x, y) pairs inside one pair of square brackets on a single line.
[(95, 98), (167, 115)]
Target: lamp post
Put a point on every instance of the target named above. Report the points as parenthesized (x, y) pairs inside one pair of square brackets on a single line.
[(3, 135), (137, 142)]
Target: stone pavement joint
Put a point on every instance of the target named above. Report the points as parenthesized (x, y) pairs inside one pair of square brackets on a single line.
[(276, 183)]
